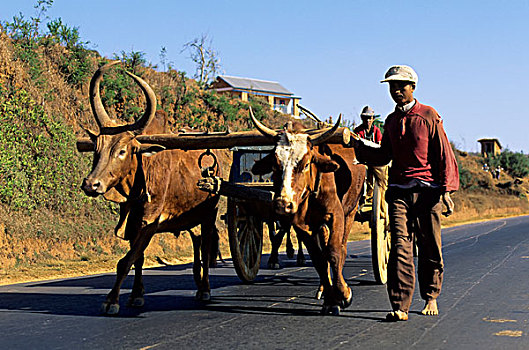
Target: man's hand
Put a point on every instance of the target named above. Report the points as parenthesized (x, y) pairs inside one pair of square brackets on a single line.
[(447, 201)]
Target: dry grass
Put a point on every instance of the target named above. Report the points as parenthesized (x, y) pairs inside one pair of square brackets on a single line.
[(61, 260)]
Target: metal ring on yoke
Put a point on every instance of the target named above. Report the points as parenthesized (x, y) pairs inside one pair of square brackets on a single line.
[(208, 153)]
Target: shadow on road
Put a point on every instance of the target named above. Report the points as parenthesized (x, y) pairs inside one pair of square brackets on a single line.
[(172, 288), (292, 308)]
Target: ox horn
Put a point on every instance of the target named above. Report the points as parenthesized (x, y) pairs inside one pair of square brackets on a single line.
[(325, 135), (150, 109), (102, 118), (310, 114), (266, 131)]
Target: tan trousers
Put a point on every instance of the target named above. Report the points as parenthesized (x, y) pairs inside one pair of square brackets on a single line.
[(414, 212), (378, 174)]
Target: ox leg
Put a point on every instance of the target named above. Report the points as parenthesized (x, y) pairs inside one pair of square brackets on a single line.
[(290, 246), (215, 251), (136, 297), (319, 292), (300, 261), (208, 231), (337, 252), (322, 239), (276, 237), (320, 264), (141, 241), (349, 220), (197, 264)]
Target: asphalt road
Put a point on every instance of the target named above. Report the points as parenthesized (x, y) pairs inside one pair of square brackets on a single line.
[(484, 305)]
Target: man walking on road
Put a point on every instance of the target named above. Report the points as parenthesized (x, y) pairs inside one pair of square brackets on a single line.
[(424, 172), (369, 131)]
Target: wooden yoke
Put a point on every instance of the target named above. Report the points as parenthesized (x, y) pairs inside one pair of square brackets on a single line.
[(217, 140)]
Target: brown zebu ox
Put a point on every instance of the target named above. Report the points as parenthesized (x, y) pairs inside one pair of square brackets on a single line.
[(318, 187), (157, 192)]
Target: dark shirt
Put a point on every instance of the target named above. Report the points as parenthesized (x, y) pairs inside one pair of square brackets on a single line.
[(417, 144)]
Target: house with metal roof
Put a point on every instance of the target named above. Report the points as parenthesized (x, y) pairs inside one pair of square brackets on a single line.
[(490, 147), (279, 98)]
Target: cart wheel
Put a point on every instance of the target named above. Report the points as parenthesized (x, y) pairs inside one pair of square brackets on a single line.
[(380, 237), (245, 232)]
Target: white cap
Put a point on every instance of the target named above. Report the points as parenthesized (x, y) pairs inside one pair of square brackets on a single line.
[(367, 112), (400, 73)]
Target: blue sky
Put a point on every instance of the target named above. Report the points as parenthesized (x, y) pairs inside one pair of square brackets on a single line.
[(472, 57)]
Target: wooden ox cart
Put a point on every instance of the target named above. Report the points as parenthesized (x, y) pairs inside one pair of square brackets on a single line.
[(250, 196)]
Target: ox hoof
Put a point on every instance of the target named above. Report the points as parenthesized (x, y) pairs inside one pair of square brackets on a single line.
[(109, 309), (335, 310), (136, 302), (319, 294), (300, 262), (331, 309), (326, 309), (203, 296), (347, 302), (274, 266)]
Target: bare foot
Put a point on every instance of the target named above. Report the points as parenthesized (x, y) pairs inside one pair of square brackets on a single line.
[(430, 308), (398, 315)]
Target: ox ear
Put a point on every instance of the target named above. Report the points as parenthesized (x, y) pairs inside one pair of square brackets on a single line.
[(264, 165), (114, 196), (325, 164), (150, 150)]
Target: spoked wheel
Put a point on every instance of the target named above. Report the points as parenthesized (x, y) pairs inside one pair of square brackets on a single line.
[(380, 237), (245, 233)]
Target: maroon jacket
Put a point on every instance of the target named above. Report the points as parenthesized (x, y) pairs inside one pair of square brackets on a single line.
[(376, 136), (418, 146)]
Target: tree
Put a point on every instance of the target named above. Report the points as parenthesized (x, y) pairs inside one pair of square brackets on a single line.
[(163, 57), (205, 57), (22, 29), (132, 60)]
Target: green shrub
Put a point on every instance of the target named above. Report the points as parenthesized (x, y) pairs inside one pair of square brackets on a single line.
[(514, 163), (75, 64), (26, 38), (119, 92), (39, 166)]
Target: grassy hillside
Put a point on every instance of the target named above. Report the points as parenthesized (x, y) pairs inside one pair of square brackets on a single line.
[(45, 219), (47, 226), (482, 197)]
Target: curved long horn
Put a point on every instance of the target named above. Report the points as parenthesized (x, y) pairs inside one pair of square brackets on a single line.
[(266, 131), (102, 118), (309, 114), (150, 109), (325, 135)]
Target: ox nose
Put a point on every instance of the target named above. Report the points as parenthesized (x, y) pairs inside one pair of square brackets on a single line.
[(90, 188), (284, 206)]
